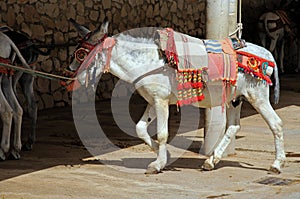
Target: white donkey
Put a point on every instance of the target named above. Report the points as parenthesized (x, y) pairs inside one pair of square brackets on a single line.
[(273, 29), (10, 109), (137, 60)]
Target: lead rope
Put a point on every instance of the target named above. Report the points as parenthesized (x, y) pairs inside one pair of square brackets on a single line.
[(239, 28), (38, 73)]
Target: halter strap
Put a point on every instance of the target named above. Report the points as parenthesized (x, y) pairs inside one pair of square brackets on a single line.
[(89, 46)]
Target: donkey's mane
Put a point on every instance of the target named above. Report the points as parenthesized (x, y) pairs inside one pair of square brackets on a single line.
[(130, 38)]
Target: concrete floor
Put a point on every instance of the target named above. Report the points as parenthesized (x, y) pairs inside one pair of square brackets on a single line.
[(60, 167)]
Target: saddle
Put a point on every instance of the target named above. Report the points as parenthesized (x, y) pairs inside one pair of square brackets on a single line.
[(199, 61)]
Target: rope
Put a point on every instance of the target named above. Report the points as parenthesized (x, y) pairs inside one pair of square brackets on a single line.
[(239, 28), (38, 73)]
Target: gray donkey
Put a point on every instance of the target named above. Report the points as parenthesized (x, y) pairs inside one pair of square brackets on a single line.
[(10, 109)]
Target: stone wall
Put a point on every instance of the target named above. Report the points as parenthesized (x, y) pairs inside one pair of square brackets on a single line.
[(47, 21)]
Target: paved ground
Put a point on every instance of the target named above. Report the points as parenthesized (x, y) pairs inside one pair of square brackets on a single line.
[(60, 167)]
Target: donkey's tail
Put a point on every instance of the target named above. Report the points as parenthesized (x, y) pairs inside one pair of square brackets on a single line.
[(276, 86)]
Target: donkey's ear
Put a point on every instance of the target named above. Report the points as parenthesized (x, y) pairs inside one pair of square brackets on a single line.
[(104, 26), (100, 31), (82, 31)]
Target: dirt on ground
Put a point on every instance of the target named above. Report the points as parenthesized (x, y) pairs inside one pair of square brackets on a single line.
[(60, 166)]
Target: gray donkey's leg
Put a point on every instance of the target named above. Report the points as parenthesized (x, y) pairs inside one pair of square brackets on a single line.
[(26, 82), (17, 115), (6, 114)]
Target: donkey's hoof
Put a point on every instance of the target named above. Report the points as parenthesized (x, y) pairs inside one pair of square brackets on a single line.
[(274, 170), (27, 146), (14, 155), (207, 166), (2, 155), (151, 170)]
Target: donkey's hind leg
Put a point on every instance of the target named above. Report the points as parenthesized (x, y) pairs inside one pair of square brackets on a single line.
[(141, 127), (17, 115), (6, 114), (233, 126), (264, 107)]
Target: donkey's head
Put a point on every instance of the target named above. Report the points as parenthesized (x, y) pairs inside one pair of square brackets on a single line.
[(89, 39)]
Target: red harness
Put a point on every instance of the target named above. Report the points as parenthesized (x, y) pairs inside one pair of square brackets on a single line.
[(86, 48), (4, 70), (85, 56)]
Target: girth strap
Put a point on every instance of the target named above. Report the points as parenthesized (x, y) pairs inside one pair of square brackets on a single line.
[(152, 72)]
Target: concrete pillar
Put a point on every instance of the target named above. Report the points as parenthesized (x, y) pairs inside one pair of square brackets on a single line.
[(233, 15), (221, 19), (232, 25), (217, 18)]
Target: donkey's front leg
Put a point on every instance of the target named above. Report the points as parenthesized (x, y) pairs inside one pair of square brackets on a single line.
[(17, 116), (233, 126), (162, 112), (142, 126), (6, 114)]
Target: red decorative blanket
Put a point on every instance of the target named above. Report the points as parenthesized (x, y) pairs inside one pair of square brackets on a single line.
[(258, 67), (191, 57)]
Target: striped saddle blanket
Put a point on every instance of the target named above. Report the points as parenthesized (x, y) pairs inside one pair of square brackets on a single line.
[(186, 53), (192, 58)]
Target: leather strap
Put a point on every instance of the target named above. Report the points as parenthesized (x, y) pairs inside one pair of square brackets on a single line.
[(152, 72)]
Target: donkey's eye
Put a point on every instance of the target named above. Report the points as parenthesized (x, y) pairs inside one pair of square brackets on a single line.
[(71, 58)]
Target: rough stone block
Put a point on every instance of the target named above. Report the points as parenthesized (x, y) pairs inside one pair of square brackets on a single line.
[(106, 4), (48, 100), (47, 66), (42, 85), (11, 17), (51, 10), (38, 32), (57, 96)]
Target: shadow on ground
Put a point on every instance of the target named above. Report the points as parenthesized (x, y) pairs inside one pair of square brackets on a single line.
[(58, 143)]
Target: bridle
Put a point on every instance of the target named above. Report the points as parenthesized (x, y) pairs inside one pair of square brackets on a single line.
[(83, 51), (86, 54), (86, 47)]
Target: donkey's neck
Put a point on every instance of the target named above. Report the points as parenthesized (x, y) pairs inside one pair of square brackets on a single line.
[(131, 59), (5, 48)]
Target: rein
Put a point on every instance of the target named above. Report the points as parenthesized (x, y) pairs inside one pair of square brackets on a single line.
[(37, 73)]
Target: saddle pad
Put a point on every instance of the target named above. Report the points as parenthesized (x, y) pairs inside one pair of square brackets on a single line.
[(222, 66), (191, 52), (181, 50), (221, 60), (213, 46)]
